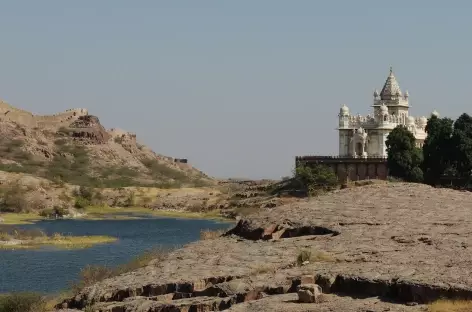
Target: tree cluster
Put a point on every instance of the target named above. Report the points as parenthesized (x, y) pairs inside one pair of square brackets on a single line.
[(446, 152)]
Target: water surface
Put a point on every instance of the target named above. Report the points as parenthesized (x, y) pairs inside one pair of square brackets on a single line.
[(50, 270)]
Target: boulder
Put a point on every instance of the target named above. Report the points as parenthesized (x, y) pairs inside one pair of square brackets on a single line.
[(309, 293)]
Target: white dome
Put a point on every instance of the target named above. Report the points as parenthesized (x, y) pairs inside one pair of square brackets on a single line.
[(435, 113), (423, 121), (383, 109), (344, 111), (411, 120)]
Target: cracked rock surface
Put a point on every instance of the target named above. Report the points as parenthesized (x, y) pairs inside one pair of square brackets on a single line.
[(380, 247)]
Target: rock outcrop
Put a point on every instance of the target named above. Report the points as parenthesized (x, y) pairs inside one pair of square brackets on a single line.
[(381, 247), (89, 129), (51, 146)]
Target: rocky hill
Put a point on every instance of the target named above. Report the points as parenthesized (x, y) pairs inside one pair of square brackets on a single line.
[(73, 147), (380, 247)]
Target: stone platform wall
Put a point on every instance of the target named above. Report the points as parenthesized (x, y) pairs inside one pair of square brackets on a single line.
[(349, 168)]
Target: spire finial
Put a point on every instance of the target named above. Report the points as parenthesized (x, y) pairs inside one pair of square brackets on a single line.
[(391, 70)]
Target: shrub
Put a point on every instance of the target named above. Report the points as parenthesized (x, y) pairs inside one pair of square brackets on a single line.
[(53, 212), (98, 199), (315, 178), (313, 256), (304, 255), (86, 192), (14, 198), (22, 302), (130, 200), (81, 202), (209, 234)]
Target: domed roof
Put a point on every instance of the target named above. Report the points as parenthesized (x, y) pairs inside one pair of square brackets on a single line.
[(391, 88), (383, 109), (344, 110), (435, 113), (411, 120), (423, 121)]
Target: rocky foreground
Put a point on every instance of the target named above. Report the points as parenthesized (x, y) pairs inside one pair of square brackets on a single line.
[(380, 247)]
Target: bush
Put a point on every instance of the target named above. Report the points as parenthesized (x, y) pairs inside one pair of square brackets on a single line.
[(86, 193), (81, 202), (310, 256), (209, 234), (315, 178), (22, 302), (53, 212), (14, 198), (130, 200)]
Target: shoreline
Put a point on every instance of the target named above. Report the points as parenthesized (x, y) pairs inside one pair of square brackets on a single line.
[(122, 213), (97, 213)]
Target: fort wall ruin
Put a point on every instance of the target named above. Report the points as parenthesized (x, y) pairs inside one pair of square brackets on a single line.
[(13, 114)]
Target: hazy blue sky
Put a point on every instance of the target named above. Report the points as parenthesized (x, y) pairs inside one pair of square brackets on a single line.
[(238, 87)]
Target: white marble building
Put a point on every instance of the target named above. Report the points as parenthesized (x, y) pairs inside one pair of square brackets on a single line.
[(365, 136)]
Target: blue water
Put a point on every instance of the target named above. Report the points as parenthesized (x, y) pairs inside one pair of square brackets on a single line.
[(51, 270)]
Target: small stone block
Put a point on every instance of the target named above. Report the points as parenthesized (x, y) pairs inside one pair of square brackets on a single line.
[(309, 293)]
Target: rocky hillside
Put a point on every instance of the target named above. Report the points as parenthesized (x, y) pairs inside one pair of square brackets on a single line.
[(380, 247), (73, 147)]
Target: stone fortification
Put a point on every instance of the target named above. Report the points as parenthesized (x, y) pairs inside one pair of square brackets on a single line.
[(10, 113), (13, 114), (60, 119)]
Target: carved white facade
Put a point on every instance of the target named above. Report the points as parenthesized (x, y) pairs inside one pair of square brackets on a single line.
[(365, 136)]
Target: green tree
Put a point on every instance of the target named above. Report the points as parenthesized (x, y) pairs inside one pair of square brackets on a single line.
[(404, 158), (461, 153), (438, 150)]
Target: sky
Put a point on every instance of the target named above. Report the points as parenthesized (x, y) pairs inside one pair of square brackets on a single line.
[(238, 87)]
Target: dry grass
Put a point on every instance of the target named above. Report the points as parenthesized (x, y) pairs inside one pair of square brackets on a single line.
[(19, 218), (450, 306), (93, 274), (262, 269), (12, 238), (313, 256), (22, 302), (209, 234)]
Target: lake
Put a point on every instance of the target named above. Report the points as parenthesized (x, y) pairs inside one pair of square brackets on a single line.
[(51, 270)]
